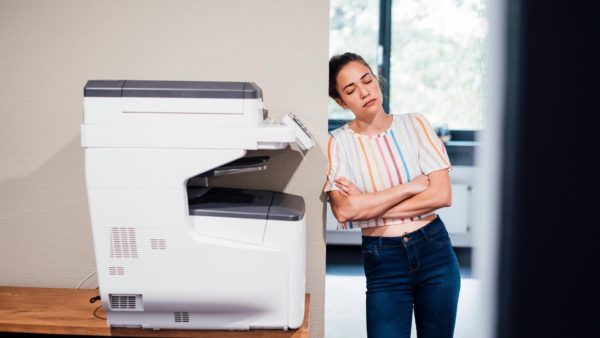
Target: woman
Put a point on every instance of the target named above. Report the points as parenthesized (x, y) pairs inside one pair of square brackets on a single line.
[(388, 174)]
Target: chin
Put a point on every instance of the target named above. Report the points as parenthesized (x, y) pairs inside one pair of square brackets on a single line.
[(372, 110)]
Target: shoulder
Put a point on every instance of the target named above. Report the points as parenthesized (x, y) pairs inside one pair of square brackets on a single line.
[(338, 135), (416, 120), (409, 116), (419, 118), (405, 118)]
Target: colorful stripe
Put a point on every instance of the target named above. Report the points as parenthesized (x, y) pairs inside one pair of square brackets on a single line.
[(387, 144), (431, 142), (401, 156), (381, 152), (370, 170), (387, 168), (362, 146), (374, 157), (363, 173), (329, 161)]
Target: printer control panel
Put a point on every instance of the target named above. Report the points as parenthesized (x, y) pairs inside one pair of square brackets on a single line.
[(303, 137)]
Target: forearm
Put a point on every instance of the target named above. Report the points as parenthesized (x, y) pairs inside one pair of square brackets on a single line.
[(425, 202), (360, 207)]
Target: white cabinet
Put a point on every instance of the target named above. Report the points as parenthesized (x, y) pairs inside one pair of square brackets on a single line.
[(456, 216)]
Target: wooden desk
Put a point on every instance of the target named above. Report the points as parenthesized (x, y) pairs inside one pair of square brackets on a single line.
[(69, 312)]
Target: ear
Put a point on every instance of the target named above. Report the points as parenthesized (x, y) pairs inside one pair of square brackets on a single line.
[(341, 103)]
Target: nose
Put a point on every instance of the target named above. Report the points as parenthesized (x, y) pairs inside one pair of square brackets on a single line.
[(363, 92)]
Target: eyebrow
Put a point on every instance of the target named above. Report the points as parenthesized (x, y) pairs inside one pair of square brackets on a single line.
[(352, 84)]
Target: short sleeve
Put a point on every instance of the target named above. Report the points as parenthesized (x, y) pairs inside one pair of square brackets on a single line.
[(432, 152), (337, 164)]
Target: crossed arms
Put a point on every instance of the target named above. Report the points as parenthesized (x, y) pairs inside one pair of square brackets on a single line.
[(404, 200)]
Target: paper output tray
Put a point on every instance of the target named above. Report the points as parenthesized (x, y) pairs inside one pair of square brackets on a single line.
[(247, 203)]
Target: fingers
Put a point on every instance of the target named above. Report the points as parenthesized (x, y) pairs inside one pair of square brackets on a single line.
[(344, 184), (347, 186), (421, 177), (344, 188), (342, 180), (350, 190)]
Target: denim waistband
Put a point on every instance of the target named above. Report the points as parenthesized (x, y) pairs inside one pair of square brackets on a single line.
[(422, 233)]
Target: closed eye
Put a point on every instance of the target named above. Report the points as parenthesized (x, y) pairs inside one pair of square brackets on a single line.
[(366, 82)]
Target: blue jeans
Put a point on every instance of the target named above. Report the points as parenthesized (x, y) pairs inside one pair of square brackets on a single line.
[(417, 270)]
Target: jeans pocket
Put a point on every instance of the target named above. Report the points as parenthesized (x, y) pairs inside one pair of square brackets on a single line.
[(440, 239), (370, 256)]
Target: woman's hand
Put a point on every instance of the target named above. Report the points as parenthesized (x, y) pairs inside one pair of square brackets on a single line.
[(419, 184), (348, 188)]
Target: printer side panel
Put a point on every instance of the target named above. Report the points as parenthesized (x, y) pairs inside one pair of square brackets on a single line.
[(290, 236)]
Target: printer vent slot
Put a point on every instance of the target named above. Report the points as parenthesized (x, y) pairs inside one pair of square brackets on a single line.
[(123, 243), (158, 244), (125, 302), (116, 271), (182, 317)]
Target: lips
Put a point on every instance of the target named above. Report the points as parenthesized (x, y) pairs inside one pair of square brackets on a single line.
[(369, 102)]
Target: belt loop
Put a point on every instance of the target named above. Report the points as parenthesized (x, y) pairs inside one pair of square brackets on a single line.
[(380, 242), (424, 233)]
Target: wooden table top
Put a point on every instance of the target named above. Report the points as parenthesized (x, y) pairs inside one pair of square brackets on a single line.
[(69, 312)]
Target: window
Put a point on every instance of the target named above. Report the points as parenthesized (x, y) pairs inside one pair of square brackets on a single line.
[(437, 59), (354, 27)]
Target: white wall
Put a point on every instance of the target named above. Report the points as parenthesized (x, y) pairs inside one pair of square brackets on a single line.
[(49, 49)]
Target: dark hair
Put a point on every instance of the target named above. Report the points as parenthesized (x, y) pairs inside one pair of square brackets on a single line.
[(336, 63)]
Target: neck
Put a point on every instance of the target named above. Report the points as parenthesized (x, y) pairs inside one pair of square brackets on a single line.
[(371, 125)]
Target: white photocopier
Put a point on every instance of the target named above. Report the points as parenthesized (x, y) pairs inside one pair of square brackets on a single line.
[(172, 255)]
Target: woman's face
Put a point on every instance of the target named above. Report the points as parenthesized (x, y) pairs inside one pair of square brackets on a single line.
[(359, 90)]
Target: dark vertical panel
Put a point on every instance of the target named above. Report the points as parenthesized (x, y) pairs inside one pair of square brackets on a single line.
[(385, 42), (548, 273)]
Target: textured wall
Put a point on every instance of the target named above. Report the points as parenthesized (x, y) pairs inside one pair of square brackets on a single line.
[(50, 49)]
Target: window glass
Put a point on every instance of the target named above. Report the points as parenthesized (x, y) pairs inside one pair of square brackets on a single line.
[(437, 60), (354, 27)]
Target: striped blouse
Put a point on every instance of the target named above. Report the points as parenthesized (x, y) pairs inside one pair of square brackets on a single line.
[(408, 148)]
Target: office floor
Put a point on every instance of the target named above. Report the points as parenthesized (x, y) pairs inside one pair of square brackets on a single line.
[(345, 294)]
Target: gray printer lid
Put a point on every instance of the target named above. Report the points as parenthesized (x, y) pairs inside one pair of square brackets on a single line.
[(286, 207), (174, 89), (248, 203)]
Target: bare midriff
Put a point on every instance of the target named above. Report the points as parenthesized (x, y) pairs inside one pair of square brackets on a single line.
[(397, 229)]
